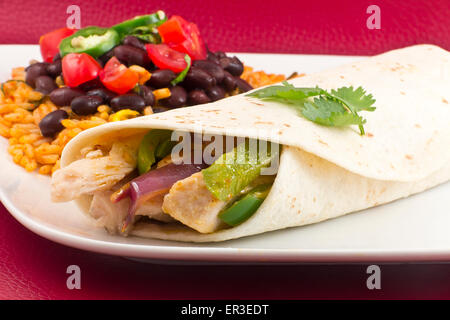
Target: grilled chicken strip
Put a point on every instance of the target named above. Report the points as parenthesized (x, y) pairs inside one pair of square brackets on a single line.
[(190, 202)]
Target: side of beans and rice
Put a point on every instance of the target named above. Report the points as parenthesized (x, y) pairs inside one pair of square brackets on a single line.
[(40, 114)]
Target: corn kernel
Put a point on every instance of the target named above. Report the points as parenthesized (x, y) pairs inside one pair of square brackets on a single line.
[(103, 108), (148, 110), (123, 115), (141, 72), (59, 81), (161, 93), (104, 116)]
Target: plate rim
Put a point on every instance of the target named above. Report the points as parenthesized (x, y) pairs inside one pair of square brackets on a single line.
[(221, 254)]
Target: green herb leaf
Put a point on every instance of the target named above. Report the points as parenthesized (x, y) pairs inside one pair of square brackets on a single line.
[(338, 108), (329, 112), (286, 91), (356, 100)]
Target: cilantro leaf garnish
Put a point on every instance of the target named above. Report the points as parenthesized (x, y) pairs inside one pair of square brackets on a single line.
[(287, 91), (356, 100), (338, 108), (329, 112)]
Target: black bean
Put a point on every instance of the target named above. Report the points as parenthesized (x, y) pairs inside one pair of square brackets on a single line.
[(220, 54), (161, 78), (105, 94), (198, 78), (243, 85), (159, 109), (198, 96), (45, 84), (213, 69), (130, 55), (34, 64), (135, 42), (85, 105), (212, 57), (147, 94), (216, 93), (91, 85), (106, 56), (128, 101), (35, 70), (51, 123), (229, 82), (178, 97), (54, 69), (64, 96), (232, 65)]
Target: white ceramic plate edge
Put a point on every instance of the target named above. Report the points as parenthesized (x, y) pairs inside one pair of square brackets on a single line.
[(223, 254)]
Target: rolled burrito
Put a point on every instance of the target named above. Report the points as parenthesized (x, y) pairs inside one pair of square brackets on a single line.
[(321, 172)]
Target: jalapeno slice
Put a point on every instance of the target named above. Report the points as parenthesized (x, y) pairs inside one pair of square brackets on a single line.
[(245, 207), (154, 20), (94, 41)]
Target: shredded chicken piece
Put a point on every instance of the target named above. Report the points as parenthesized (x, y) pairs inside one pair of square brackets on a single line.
[(95, 174), (190, 202), (112, 215), (107, 214)]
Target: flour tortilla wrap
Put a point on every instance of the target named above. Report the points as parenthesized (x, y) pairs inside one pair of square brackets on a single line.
[(324, 172)]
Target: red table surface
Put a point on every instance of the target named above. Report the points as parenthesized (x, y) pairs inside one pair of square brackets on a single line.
[(34, 268)]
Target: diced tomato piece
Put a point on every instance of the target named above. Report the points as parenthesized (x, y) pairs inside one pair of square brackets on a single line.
[(49, 42), (173, 30), (117, 77), (79, 68), (183, 36), (166, 58)]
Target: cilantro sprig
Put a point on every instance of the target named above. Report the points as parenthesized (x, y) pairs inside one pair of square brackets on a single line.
[(338, 108)]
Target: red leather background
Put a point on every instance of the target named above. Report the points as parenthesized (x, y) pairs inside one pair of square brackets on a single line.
[(289, 26), (34, 268)]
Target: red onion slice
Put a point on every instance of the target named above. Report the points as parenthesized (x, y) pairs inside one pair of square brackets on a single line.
[(152, 184)]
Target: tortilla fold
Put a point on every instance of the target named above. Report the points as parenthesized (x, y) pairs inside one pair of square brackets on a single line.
[(324, 172)]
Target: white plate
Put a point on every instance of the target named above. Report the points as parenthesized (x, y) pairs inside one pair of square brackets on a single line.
[(412, 229)]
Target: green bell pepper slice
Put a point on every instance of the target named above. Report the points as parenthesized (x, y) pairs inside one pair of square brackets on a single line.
[(126, 27), (232, 172), (94, 41), (155, 145), (245, 207)]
